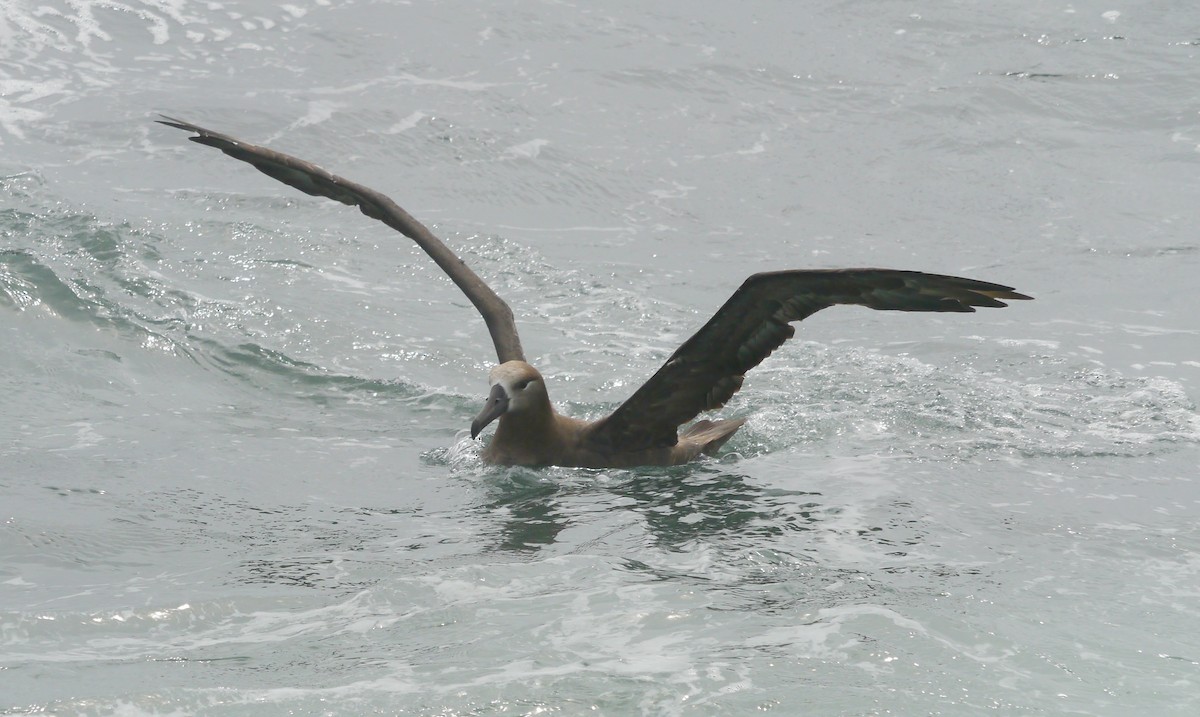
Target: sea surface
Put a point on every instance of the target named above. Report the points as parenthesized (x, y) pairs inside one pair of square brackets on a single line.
[(234, 471)]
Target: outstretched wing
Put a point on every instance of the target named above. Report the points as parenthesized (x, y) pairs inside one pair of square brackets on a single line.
[(311, 179), (709, 367)]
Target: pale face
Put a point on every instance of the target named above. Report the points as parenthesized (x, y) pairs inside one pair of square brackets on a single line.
[(516, 387), (521, 383)]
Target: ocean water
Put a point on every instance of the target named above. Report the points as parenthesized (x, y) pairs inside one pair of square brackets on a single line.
[(234, 475)]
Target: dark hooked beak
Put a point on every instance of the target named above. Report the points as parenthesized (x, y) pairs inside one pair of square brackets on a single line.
[(496, 405)]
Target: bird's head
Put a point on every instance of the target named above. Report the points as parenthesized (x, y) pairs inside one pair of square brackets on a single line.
[(516, 387)]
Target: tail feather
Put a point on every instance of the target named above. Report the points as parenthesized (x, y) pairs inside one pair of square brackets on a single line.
[(711, 435)]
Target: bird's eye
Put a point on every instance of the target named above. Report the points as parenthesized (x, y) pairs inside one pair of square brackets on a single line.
[(524, 384)]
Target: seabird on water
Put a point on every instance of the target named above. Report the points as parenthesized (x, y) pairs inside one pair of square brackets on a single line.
[(700, 376)]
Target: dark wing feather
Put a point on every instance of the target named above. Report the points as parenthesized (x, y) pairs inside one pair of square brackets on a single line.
[(709, 367), (311, 179)]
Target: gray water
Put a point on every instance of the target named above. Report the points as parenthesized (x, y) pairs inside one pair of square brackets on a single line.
[(234, 478)]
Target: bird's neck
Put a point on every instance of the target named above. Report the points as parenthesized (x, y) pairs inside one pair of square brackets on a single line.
[(538, 435), (535, 421)]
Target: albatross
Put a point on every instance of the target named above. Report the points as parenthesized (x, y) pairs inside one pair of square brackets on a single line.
[(702, 374)]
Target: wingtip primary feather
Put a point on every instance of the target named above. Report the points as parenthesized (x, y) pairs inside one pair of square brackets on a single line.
[(1007, 294), (203, 136), (177, 123)]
